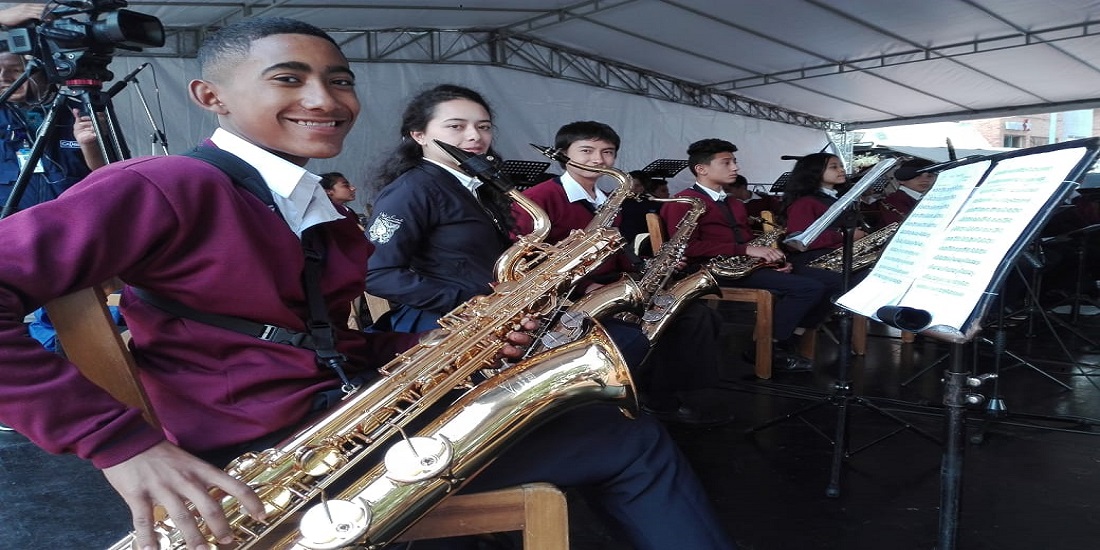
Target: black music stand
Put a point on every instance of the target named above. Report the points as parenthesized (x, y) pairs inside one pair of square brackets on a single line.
[(665, 168), (843, 396), (525, 173), (780, 184), (1081, 236), (986, 184)]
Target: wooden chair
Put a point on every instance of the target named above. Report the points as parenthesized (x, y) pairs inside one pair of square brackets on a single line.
[(760, 298), (93, 343)]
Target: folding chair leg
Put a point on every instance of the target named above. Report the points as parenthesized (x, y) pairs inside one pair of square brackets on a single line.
[(763, 336)]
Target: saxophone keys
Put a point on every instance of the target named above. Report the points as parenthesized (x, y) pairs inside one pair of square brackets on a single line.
[(418, 459), (320, 460), (333, 524)]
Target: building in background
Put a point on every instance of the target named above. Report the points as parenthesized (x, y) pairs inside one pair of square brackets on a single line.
[(1041, 129)]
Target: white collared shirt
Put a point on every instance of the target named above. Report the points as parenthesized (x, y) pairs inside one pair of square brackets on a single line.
[(915, 194), (575, 192), (296, 191), (831, 192), (467, 181), (718, 196)]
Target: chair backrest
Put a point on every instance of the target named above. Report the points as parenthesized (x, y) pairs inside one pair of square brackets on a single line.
[(376, 305), (92, 342), (656, 229)]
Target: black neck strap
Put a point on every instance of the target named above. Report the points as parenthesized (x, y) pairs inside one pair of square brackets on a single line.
[(724, 209), (321, 337)]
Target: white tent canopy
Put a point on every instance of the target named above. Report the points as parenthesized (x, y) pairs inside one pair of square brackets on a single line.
[(769, 75)]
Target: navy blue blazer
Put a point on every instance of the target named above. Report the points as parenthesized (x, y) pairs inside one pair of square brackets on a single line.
[(435, 246)]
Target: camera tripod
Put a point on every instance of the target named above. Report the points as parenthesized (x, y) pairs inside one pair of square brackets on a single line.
[(85, 94), (842, 396)]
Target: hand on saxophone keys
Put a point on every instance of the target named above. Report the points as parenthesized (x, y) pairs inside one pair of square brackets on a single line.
[(165, 476), (520, 338), (766, 253)]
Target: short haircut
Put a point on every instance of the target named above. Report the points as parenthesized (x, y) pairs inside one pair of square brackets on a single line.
[(648, 182), (585, 129), (234, 41), (911, 169), (328, 179), (703, 151)]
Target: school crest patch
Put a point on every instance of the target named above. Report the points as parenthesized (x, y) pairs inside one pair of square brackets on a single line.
[(383, 228)]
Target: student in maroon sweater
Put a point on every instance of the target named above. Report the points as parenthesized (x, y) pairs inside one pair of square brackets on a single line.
[(912, 185), (724, 231), (571, 201), (181, 229), (811, 190)]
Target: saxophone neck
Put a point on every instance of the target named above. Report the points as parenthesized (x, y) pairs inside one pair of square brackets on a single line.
[(540, 220), (506, 267), (605, 217)]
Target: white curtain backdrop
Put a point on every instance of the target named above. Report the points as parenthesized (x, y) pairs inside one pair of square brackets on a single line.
[(528, 108)]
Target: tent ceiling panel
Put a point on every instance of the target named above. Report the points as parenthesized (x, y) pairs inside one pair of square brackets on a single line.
[(946, 83), (1051, 75), (970, 57)]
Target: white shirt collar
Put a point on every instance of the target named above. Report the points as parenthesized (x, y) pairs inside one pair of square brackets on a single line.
[(718, 196), (575, 192), (297, 192), (915, 194), (831, 192), (467, 181)]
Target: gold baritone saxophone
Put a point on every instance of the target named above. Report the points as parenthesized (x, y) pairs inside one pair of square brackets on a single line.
[(735, 267), (621, 296), (865, 251), (352, 478)]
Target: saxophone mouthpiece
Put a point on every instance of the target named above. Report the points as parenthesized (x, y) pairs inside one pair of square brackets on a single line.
[(483, 167), (551, 152), (455, 153)]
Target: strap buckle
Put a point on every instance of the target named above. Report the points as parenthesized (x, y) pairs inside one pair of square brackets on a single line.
[(280, 335)]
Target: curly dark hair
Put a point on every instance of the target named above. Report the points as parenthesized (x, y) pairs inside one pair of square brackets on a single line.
[(805, 178)]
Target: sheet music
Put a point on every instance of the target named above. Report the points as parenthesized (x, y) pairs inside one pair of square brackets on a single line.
[(902, 259), (947, 252)]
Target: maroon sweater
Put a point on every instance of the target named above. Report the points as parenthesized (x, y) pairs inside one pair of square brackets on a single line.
[(713, 236), (805, 211), (900, 205), (177, 227), (564, 217)]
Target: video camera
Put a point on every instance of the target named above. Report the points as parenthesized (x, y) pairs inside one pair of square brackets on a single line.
[(80, 49)]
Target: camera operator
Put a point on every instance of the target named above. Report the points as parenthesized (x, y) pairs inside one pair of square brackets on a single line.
[(71, 154)]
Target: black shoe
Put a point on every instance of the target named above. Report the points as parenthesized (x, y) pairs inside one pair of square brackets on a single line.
[(686, 414), (783, 361)]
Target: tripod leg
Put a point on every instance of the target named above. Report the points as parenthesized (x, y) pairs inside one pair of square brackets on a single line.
[(924, 370), (794, 414), (840, 443), (96, 104)]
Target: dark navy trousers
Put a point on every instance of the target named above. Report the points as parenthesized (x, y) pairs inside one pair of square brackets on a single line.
[(631, 466)]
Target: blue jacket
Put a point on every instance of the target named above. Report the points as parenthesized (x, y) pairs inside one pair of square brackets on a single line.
[(435, 247), (61, 159)]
